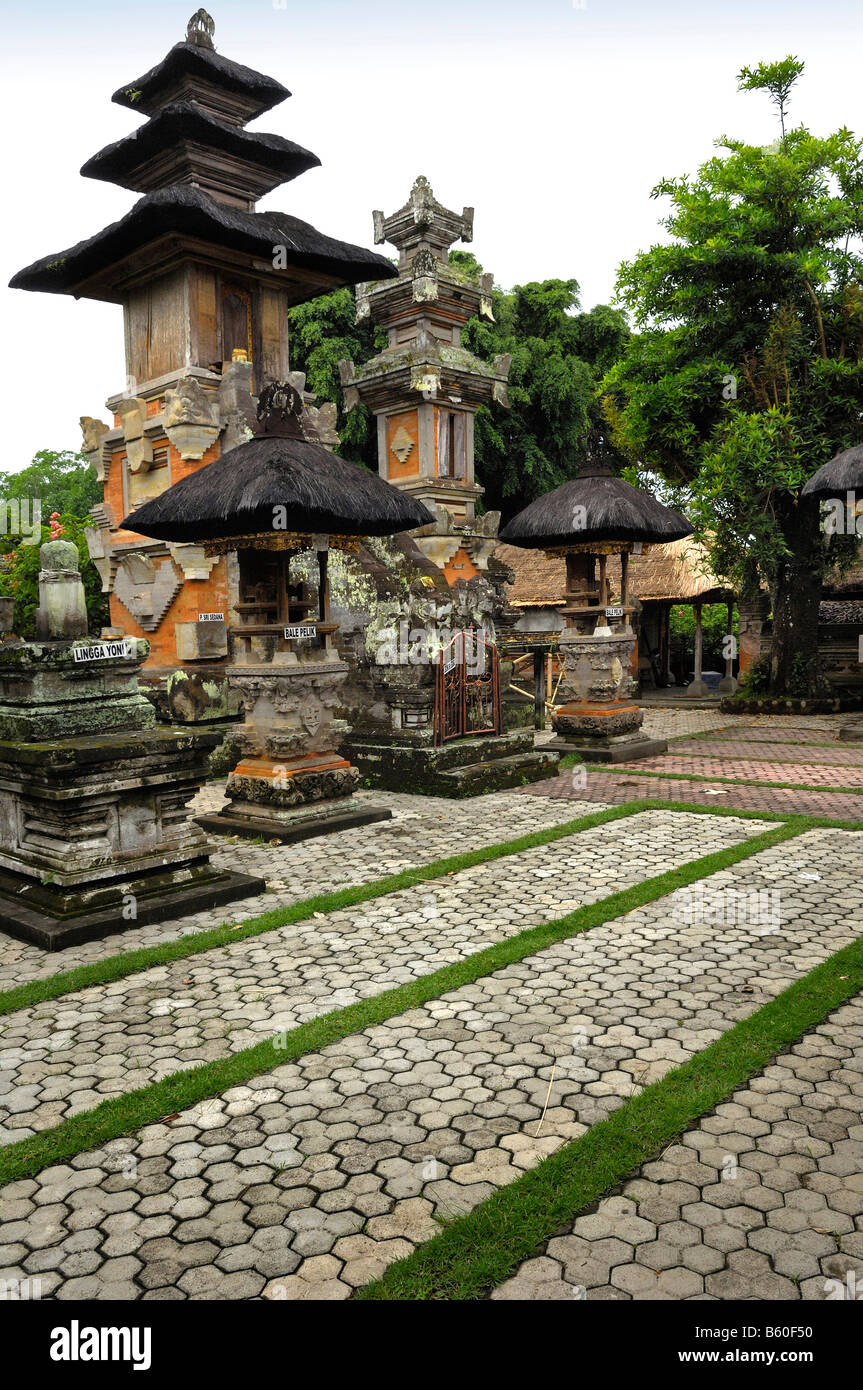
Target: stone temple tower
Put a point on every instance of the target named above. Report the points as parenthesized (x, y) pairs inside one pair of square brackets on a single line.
[(425, 388), (206, 283), (418, 614)]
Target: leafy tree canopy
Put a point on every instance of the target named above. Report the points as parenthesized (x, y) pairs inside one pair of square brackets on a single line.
[(746, 374), (62, 480), (559, 355), (324, 331)]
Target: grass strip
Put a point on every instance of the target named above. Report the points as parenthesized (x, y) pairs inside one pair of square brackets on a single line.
[(479, 1251), (117, 967), (126, 1113)]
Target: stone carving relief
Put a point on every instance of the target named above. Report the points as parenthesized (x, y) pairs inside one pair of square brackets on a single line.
[(94, 432), (191, 418), (132, 411), (402, 445), (192, 560), (146, 588)]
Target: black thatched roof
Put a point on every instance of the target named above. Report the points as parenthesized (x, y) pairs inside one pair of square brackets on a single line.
[(183, 120), (184, 210), (190, 60), (842, 474), (613, 511), (238, 494)]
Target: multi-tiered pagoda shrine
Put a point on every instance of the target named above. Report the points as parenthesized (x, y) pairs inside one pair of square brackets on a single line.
[(418, 615), (425, 388), (206, 283)]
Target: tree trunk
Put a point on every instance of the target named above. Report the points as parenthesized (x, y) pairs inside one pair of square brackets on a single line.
[(794, 665)]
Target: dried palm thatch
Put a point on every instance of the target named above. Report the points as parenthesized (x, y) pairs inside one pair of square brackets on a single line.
[(540, 579), (679, 572), (675, 573), (181, 210), (594, 506), (240, 493), (842, 474)]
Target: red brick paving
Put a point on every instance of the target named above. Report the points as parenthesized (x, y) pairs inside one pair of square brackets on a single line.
[(759, 733), (778, 753), (616, 787), (838, 755), (754, 770)]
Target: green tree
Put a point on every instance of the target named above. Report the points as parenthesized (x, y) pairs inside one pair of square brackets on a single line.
[(746, 374), (63, 482), (323, 331), (558, 358), (19, 575)]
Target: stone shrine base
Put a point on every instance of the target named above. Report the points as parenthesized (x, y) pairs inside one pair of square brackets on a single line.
[(54, 917), (95, 836), (461, 768), (310, 795), (603, 732)]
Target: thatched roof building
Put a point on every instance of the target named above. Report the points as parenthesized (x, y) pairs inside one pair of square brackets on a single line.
[(842, 474), (678, 572)]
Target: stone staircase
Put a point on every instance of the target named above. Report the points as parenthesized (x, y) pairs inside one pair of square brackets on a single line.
[(464, 767)]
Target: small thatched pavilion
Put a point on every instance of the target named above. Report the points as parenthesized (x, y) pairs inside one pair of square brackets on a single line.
[(274, 497), (843, 474), (660, 577), (586, 520)]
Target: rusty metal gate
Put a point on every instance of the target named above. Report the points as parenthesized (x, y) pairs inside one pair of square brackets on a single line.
[(467, 688)]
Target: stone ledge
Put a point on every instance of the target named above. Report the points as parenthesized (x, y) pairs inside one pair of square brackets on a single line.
[(54, 933), (303, 828)]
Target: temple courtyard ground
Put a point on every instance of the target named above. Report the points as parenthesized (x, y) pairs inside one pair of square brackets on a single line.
[(599, 1038)]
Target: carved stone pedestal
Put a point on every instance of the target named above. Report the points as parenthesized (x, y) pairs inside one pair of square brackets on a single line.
[(291, 784), (94, 833), (598, 719)]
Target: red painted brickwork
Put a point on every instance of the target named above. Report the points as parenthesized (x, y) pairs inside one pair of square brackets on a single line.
[(196, 596)]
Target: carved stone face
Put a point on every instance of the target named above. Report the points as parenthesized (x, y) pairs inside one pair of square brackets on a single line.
[(312, 716)]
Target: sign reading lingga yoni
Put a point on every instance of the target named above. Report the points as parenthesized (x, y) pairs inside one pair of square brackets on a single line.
[(101, 651)]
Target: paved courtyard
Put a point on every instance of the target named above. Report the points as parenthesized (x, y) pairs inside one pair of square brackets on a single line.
[(308, 1181)]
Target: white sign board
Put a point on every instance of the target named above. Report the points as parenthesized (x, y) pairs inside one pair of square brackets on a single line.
[(294, 632), (211, 617), (614, 612), (101, 651)]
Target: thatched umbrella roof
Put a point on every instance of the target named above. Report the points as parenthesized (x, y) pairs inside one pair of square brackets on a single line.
[(594, 506), (842, 474), (238, 494)]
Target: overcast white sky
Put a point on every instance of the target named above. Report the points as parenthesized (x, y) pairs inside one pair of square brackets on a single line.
[(553, 120)]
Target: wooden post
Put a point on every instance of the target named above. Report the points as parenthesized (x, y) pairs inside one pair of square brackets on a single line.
[(603, 581), (323, 586), (538, 688), (699, 642)]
